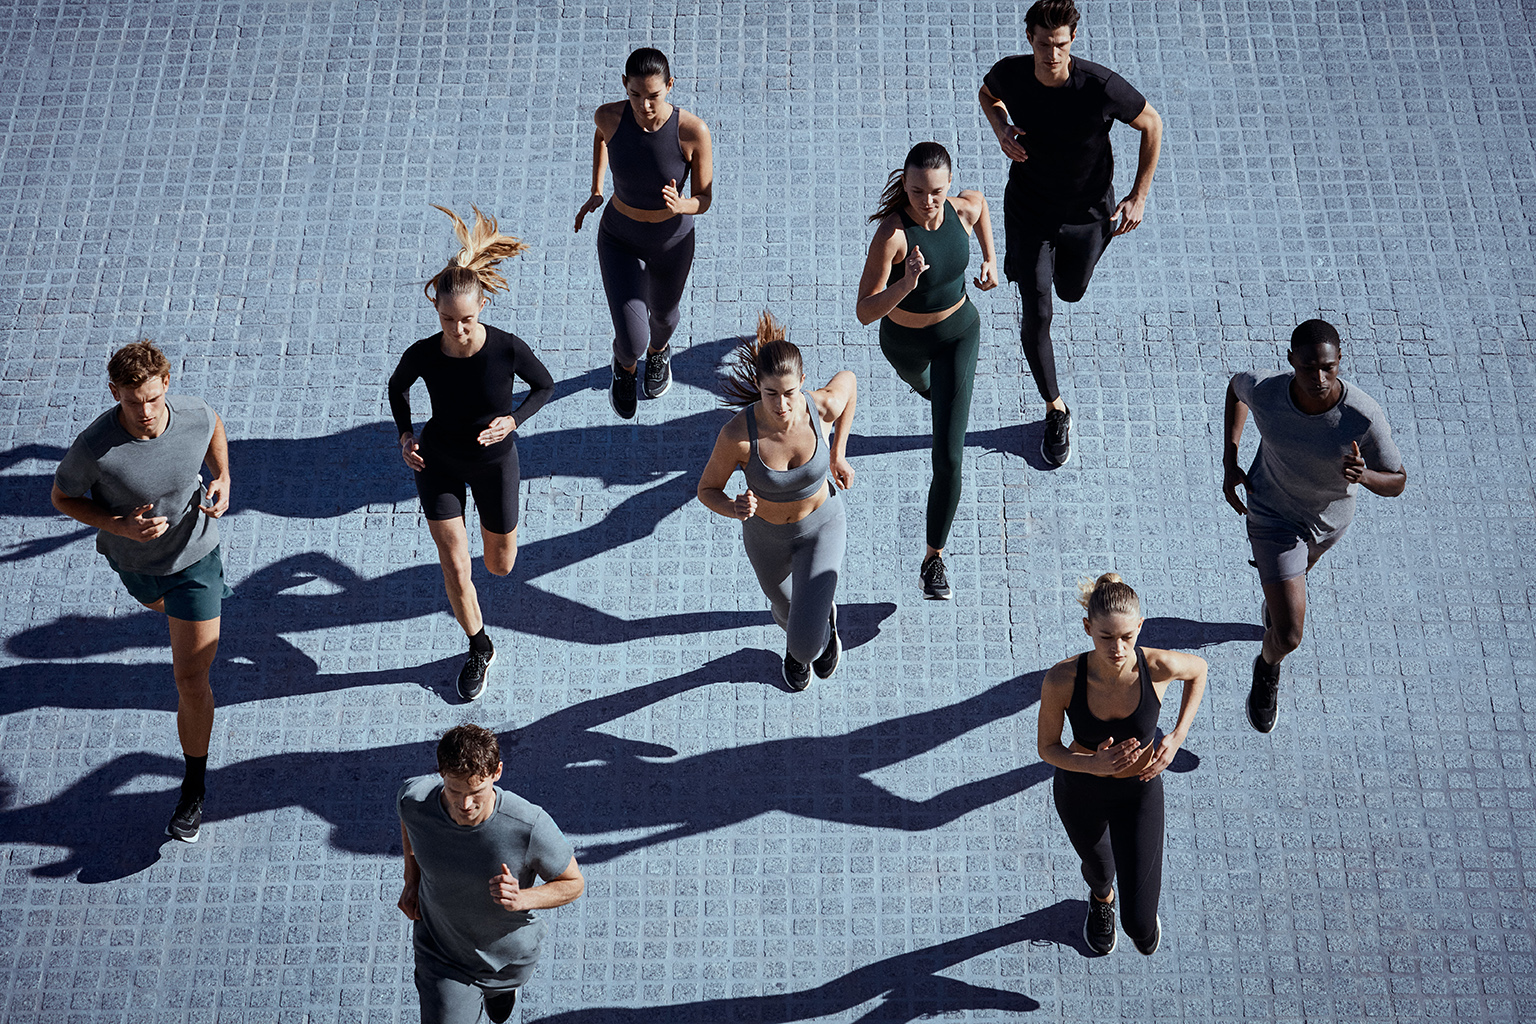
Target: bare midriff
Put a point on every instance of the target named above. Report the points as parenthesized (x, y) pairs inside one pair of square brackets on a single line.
[(781, 513), (1142, 759), (904, 318), (646, 216)]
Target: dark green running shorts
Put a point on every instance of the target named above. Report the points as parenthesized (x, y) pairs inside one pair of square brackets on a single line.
[(193, 594)]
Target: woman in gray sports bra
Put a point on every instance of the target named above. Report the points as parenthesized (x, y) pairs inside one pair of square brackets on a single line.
[(645, 236), (792, 519)]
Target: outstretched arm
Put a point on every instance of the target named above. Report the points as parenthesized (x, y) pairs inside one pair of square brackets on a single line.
[(1134, 206), (599, 169)]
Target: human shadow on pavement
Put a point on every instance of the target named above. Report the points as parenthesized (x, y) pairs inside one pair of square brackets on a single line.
[(592, 782), (908, 986)]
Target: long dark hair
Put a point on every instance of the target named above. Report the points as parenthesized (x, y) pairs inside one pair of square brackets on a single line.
[(767, 354), (925, 156)]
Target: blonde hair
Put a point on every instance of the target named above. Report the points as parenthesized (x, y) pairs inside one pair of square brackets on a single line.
[(473, 269), (768, 354), (1107, 595)]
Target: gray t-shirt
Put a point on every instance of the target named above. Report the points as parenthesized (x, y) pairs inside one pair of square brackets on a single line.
[(1298, 474), (460, 924), (122, 472)]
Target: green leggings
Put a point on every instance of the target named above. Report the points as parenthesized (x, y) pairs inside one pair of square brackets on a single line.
[(940, 360)]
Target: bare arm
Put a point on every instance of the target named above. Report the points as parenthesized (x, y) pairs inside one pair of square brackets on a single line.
[(836, 403), (1134, 206), (698, 150), (1388, 484), (217, 461), (410, 903), (888, 248), (1232, 420), (599, 169), (1007, 134), (731, 451), (554, 892), (134, 526), (973, 210), (1166, 666)]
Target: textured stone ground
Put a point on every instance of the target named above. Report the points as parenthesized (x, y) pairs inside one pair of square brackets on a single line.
[(248, 183)]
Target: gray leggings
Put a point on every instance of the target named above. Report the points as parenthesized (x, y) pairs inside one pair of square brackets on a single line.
[(645, 267), (797, 566)]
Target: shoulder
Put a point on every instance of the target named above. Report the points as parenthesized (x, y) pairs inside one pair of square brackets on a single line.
[(608, 115), (415, 792), (891, 229), (691, 127), (513, 808), (93, 442), (735, 428), (1246, 381), (190, 406), (1167, 665), (1094, 75), (1356, 398), (1060, 675), (1008, 70), (969, 203)]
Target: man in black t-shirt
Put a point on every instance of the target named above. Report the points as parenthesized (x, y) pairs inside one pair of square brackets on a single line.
[(1052, 113)]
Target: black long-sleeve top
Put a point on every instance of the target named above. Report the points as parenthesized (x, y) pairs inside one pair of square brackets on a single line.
[(468, 393)]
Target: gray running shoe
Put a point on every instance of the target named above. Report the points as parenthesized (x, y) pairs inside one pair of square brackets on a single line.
[(658, 372), (621, 394), (1056, 445), (1099, 928)]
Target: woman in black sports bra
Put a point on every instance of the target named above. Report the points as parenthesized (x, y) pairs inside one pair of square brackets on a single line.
[(1108, 786)]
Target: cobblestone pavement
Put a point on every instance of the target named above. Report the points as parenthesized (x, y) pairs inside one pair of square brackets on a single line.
[(248, 183)]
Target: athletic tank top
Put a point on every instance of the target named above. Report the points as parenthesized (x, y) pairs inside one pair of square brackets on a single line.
[(1090, 731), (947, 250), (644, 162), (788, 484)]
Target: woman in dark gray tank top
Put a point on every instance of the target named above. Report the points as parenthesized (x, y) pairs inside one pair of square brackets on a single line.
[(645, 237), (792, 521)]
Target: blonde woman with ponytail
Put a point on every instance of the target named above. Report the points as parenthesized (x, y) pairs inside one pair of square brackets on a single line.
[(791, 515), (469, 444), (1108, 786)]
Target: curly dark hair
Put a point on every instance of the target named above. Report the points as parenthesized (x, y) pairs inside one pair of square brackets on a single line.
[(468, 751)]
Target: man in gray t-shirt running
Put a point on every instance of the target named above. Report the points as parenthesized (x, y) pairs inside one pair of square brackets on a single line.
[(472, 852), (1321, 440), (135, 475)]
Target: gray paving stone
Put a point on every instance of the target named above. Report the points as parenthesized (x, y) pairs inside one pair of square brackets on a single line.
[(249, 184)]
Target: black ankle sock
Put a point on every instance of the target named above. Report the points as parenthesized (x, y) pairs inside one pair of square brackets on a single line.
[(197, 769), (480, 642)]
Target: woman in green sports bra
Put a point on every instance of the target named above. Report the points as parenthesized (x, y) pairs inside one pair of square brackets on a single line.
[(914, 284)]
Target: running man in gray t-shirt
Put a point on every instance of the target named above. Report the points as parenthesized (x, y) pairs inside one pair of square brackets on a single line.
[(1321, 440), (472, 852), (135, 475)]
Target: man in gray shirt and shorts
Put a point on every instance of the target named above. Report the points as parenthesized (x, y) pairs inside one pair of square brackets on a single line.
[(1321, 439), (135, 475), (471, 853)]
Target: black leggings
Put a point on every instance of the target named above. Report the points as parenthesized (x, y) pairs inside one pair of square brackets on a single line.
[(644, 267), (1116, 827), (1063, 258), (441, 486)]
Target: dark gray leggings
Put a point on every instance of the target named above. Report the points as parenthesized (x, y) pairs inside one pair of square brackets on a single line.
[(1116, 827), (797, 565), (1064, 259), (644, 267)]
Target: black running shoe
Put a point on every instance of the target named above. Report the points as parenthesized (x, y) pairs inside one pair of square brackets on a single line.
[(1157, 940), (187, 822), (1264, 695), (658, 372), (797, 674), (621, 395), (1099, 928), (826, 662), (935, 580), (475, 676), (1056, 445), (499, 1005)]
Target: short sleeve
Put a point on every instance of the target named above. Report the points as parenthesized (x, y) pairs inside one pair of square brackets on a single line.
[(1121, 100), (77, 470), (1000, 79), (1243, 384), (1378, 448), (549, 852)]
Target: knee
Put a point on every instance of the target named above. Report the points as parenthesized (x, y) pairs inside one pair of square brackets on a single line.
[(193, 687), (946, 466), (1072, 292), (501, 563), (1285, 635)]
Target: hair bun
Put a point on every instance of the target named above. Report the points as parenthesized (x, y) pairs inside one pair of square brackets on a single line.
[(1109, 577)]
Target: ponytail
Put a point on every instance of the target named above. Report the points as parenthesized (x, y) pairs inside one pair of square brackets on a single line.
[(1108, 595), (768, 354), (473, 270), (925, 156)]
